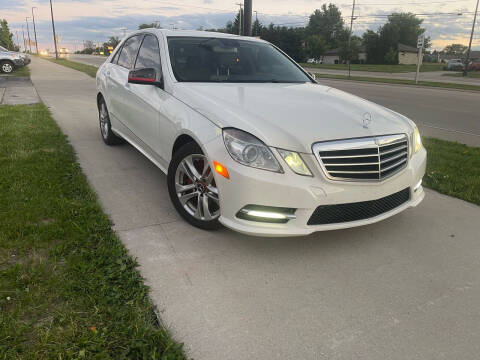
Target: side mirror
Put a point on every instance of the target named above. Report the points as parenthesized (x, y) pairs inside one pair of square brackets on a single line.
[(147, 76)]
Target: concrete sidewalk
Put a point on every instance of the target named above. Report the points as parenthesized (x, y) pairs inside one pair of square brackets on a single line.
[(17, 91), (406, 288)]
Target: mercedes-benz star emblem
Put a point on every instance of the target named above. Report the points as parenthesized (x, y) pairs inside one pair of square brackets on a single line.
[(367, 120)]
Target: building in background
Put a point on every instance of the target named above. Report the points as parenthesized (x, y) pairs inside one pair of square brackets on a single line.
[(407, 55)]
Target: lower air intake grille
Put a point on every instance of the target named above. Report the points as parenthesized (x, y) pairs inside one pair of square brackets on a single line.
[(341, 213)]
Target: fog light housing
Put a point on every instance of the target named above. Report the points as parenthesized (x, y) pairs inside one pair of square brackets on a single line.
[(417, 186), (266, 214)]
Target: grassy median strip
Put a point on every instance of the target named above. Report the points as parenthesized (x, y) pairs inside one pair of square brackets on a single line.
[(24, 71), (68, 288), (401, 68), (453, 169), (400, 82), (87, 69)]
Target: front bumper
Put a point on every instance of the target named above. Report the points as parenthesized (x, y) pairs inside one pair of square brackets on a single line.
[(18, 62), (249, 186)]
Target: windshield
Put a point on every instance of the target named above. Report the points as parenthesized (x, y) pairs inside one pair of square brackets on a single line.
[(198, 59)]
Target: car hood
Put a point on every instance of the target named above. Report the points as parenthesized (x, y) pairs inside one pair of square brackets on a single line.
[(290, 116)]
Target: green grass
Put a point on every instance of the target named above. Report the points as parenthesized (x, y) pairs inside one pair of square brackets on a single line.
[(87, 69), (21, 72), (453, 169), (470, 74), (68, 288), (377, 68), (400, 82)]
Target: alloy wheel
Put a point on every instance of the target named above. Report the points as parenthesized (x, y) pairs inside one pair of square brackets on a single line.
[(7, 68), (196, 189), (104, 120)]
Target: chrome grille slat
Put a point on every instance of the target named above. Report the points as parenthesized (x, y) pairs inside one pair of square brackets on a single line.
[(393, 150), (402, 154), (394, 165), (352, 164), (363, 159)]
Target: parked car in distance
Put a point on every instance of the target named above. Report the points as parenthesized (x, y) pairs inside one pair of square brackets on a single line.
[(474, 66), (455, 64), (249, 140), (11, 60), (314, 61)]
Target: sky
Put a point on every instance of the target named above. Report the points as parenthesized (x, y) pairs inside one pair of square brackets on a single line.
[(97, 20)]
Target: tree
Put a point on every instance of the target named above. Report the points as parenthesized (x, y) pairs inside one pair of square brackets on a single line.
[(455, 49), (391, 57), (315, 46), (352, 52), (6, 37), (402, 28), (289, 40), (328, 23), (257, 28)]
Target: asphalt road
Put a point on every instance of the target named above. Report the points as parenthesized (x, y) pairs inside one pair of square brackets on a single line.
[(87, 59), (405, 288), (447, 114)]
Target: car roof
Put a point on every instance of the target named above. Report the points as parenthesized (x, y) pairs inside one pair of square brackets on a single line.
[(196, 33)]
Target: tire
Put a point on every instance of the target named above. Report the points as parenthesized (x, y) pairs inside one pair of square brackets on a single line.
[(192, 187), (106, 132), (7, 67)]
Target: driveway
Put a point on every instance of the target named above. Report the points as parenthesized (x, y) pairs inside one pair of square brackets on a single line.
[(406, 288)]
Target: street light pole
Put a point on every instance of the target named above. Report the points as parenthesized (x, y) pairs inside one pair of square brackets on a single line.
[(350, 38), (471, 38), (28, 32), (240, 27), (54, 34), (24, 41), (35, 29)]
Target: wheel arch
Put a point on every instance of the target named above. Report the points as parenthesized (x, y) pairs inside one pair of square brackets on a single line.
[(182, 140), (100, 97)]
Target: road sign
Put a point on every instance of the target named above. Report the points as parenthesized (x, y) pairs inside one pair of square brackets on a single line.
[(420, 41)]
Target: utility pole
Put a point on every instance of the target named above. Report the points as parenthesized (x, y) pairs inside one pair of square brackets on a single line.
[(471, 38), (124, 29), (28, 32), (240, 23), (247, 31), (35, 29), (24, 41), (54, 34), (350, 39), (18, 42), (256, 22)]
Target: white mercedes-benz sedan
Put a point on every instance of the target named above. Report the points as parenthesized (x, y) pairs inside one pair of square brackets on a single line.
[(250, 140)]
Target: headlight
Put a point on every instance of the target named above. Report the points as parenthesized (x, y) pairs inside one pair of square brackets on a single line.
[(417, 140), (250, 151), (295, 161)]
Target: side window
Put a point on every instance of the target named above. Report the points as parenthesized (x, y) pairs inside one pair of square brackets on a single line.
[(115, 57), (129, 52), (149, 54)]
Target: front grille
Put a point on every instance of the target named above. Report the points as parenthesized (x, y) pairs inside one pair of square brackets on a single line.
[(363, 159), (341, 213)]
